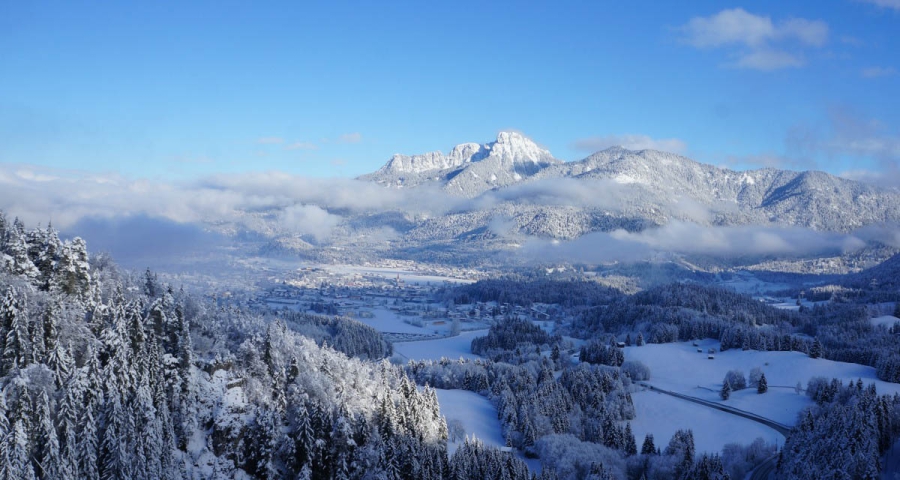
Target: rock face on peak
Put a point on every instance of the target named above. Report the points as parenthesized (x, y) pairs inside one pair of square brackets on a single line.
[(471, 168)]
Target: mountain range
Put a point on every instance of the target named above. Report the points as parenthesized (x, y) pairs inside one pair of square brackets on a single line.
[(500, 194)]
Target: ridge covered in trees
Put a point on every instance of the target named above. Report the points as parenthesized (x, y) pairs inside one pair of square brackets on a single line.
[(100, 379)]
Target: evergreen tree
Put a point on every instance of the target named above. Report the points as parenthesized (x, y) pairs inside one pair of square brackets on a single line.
[(725, 393), (815, 351), (87, 447), (46, 450), (4, 425), (19, 455), (630, 442), (763, 386), (16, 342), (648, 447)]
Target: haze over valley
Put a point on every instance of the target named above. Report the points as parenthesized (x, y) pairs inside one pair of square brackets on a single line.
[(450, 241)]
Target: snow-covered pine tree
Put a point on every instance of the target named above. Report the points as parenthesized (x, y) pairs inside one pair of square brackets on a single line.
[(46, 450), (815, 351), (630, 442), (16, 348), (4, 421), (648, 447), (725, 392)]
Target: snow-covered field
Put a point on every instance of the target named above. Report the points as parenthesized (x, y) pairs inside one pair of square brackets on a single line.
[(887, 320), (746, 282), (385, 320), (679, 367), (405, 275), (450, 347), (662, 415), (477, 415)]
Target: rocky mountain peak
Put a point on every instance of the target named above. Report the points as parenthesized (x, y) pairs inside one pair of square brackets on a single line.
[(519, 148)]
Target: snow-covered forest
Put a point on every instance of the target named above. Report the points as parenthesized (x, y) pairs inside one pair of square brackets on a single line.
[(107, 373)]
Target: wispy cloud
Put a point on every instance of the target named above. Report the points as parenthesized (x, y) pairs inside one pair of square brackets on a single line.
[(200, 160), (849, 134), (688, 238), (852, 41), (269, 140), (876, 72), (772, 160), (631, 142), (767, 60), (755, 41), (354, 137), (301, 146), (891, 4)]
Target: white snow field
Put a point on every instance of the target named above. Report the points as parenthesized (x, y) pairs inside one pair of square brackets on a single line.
[(887, 320), (405, 275), (385, 320), (680, 368), (449, 347), (476, 413), (662, 415)]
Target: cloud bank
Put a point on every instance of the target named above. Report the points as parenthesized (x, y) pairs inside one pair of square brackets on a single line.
[(693, 239), (755, 41)]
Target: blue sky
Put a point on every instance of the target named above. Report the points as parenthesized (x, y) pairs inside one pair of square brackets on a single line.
[(175, 90)]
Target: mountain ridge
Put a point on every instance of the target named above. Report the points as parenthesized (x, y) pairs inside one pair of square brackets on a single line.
[(650, 184)]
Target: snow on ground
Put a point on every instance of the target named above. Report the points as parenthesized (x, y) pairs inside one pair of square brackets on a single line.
[(385, 320), (477, 415), (887, 320), (662, 415), (679, 367), (405, 275), (747, 282), (449, 347)]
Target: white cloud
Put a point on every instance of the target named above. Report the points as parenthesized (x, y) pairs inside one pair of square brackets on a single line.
[(728, 27), (848, 134), (768, 160), (756, 41), (270, 140), (767, 60), (308, 220), (692, 239), (892, 4), (201, 160), (301, 146), (875, 72), (631, 142), (852, 41), (354, 137)]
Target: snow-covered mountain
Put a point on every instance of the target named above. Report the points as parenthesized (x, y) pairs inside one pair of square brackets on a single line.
[(470, 168), (810, 199), (482, 199), (646, 186)]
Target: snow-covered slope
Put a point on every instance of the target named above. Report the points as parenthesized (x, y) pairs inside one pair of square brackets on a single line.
[(649, 185)]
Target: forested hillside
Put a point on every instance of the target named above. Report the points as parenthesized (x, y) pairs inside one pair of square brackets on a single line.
[(105, 376)]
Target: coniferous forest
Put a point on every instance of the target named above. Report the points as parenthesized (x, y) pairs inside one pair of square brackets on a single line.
[(106, 373)]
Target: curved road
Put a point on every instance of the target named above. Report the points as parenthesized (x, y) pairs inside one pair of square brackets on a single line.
[(765, 469)]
